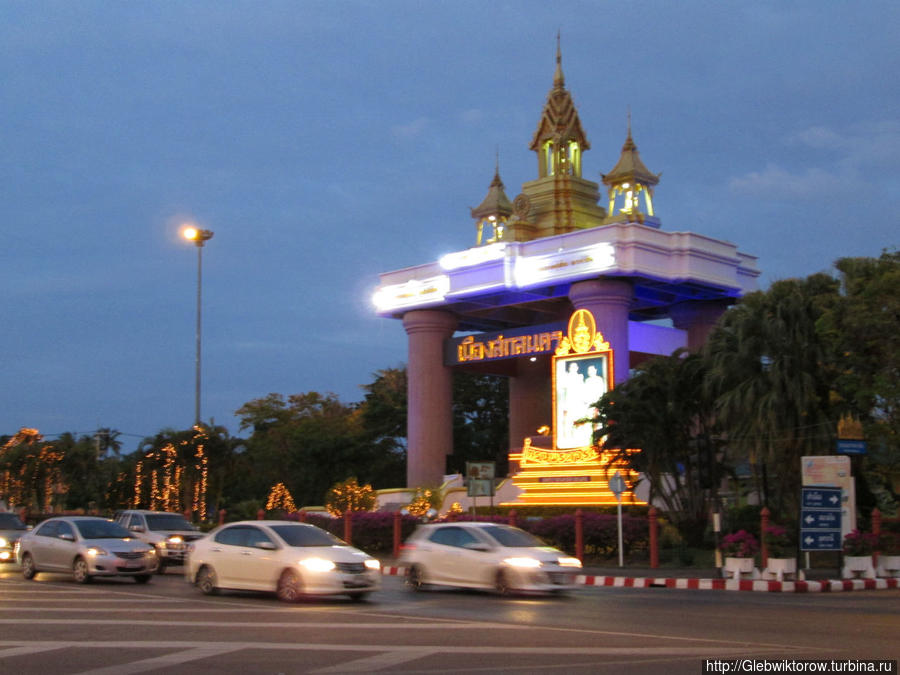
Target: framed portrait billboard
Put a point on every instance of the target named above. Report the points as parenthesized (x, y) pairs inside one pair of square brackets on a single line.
[(578, 382), (582, 373)]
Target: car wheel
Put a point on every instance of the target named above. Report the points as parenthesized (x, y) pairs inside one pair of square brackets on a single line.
[(415, 578), (28, 568), (358, 597), (290, 586), (206, 581), (81, 571), (501, 583), (142, 578)]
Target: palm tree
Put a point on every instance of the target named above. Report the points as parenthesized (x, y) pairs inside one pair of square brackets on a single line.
[(107, 440), (767, 377)]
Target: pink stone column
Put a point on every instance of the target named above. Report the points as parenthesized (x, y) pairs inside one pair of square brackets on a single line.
[(530, 400), (698, 319), (609, 301), (429, 424)]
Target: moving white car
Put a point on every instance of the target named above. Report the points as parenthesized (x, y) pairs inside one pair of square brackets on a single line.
[(87, 547), (168, 533), (486, 556), (292, 559)]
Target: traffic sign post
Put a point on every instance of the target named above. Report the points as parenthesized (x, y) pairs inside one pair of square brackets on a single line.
[(617, 487), (820, 519)]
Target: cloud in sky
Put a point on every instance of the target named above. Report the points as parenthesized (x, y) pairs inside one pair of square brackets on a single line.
[(411, 130), (844, 163)]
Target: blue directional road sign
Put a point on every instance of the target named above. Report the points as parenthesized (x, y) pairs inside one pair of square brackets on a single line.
[(815, 497), (820, 519), (820, 540)]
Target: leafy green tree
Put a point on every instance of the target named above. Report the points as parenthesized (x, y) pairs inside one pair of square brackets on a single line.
[(664, 411), (480, 421), (862, 330), (311, 441)]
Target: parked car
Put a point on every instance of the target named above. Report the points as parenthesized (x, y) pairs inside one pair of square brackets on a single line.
[(485, 556), (11, 528), (168, 533), (292, 559), (87, 547)]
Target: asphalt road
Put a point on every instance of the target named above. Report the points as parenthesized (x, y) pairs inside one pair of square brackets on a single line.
[(53, 625)]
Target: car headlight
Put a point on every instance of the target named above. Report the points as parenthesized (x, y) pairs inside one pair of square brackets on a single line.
[(174, 540), (3, 542), (317, 564), (569, 562), (522, 562), (96, 550), (373, 564)]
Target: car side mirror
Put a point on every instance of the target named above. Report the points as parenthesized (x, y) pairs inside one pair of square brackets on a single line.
[(266, 546), (136, 528), (67, 536), (477, 547)]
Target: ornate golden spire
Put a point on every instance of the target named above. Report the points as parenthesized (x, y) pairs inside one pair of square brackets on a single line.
[(559, 139)]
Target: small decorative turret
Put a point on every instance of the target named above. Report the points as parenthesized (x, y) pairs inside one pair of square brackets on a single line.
[(493, 212), (628, 181)]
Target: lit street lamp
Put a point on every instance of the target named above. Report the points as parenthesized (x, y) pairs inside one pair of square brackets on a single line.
[(199, 237)]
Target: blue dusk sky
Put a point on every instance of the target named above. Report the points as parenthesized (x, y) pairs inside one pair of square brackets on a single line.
[(326, 142)]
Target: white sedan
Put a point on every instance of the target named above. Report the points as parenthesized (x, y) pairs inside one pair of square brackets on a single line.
[(486, 556), (292, 559)]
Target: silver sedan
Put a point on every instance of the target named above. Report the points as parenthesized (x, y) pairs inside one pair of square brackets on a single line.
[(87, 547)]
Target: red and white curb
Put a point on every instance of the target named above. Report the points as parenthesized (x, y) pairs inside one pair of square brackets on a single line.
[(831, 586)]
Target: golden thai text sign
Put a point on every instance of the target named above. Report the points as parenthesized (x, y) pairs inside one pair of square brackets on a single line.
[(509, 344)]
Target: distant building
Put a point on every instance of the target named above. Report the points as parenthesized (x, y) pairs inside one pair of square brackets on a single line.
[(503, 306)]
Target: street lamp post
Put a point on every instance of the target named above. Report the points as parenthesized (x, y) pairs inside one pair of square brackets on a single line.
[(199, 237)]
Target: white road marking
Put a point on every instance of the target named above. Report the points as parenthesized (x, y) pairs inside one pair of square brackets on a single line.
[(375, 663), (385, 657), (164, 661)]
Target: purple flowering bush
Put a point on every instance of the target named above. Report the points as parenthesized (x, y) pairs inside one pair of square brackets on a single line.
[(740, 544), (860, 543), (778, 543)]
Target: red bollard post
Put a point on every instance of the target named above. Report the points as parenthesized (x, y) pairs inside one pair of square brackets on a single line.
[(512, 518), (876, 530), (301, 516), (261, 514), (654, 539), (763, 529), (397, 532), (188, 514), (348, 526), (579, 535), (221, 516)]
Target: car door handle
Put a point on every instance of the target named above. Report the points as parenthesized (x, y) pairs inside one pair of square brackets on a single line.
[(216, 550), (246, 553)]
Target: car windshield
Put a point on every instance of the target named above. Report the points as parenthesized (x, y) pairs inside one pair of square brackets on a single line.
[(511, 537), (306, 535), (170, 522), (10, 521), (101, 529)]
